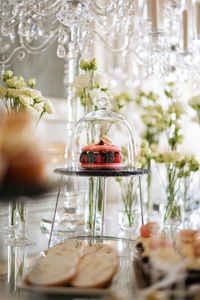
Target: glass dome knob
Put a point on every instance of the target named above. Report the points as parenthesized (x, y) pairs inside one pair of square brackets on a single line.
[(103, 103)]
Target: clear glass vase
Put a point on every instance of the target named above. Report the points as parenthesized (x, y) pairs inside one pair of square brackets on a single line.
[(95, 205), (128, 215), (9, 231), (18, 213), (17, 257), (173, 211)]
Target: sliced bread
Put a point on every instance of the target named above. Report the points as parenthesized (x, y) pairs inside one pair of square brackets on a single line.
[(97, 267), (67, 244), (57, 268)]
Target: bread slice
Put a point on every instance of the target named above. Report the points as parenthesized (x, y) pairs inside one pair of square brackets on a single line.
[(78, 245), (57, 268), (97, 267)]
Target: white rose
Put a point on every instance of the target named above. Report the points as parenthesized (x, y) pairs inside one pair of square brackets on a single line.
[(34, 93), (3, 91), (31, 82), (101, 81), (14, 93), (195, 101), (25, 100), (11, 82), (82, 81), (48, 107), (38, 107), (40, 99), (31, 111), (16, 82), (8, 74)]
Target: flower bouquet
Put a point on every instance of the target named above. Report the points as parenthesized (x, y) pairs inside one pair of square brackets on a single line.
[(25, 167)]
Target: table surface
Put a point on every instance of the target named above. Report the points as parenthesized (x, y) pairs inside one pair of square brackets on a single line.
[(36, 210)]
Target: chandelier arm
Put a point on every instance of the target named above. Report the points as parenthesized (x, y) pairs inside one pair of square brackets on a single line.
[(99, 11), (43, 47), (114, 50), (19, 52), (50, 10)]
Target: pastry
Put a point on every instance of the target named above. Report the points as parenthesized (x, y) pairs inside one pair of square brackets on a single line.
[(102, 155), (157, 257), (147, 231)]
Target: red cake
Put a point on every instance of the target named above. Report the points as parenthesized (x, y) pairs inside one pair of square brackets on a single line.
[(102, 155)]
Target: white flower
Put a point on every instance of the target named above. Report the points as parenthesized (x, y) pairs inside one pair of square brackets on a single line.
[(31, 82), (82, 81), (177, 107), (147, 119), (16, 82), (101, 81), (195, 101), (96, 94), (38, 107), (48, 107), (25, 100), (34, 93), (8, 74), (40, 99), (31, 111), (84, 65), (14, 93), (3, 91), (171, 156)]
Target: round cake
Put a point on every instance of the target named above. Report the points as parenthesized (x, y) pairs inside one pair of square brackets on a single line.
[(102, 155)]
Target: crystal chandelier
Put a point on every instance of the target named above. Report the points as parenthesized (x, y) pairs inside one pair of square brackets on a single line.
[(158, 36), (35, 25)]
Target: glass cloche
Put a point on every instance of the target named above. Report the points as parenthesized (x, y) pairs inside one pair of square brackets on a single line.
[(104, 140)]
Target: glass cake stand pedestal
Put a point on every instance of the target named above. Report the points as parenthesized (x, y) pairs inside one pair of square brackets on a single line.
[(96, 219)]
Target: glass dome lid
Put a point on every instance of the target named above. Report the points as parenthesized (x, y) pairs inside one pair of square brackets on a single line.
[(104, 140)]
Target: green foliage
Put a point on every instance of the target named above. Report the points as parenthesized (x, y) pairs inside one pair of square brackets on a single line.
[(119, 101)]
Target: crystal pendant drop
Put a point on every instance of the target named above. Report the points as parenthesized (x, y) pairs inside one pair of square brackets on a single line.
[(61, 51)]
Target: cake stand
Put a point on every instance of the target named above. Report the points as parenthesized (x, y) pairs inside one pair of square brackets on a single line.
[(103, 174)]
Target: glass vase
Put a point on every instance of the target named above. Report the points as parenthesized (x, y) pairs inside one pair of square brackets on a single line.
[(20, 237), (173, 210), (9, 231), (128, 215), (95, 206), (17, 257)]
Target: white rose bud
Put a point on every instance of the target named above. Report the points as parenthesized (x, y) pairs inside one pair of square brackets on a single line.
[(38, 107), (11, 82), (48, 107), (31, 82), (25, 100), (8, 74), (20, 84), (14, 93), (14, 82), (82, 81), (3, 91), (35, 93), (40, 99)]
